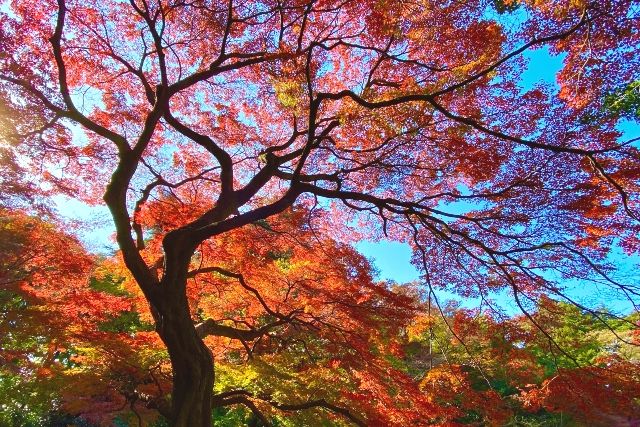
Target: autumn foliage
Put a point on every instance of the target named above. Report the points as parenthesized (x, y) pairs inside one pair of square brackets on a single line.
[(361, 345), (243, 148)]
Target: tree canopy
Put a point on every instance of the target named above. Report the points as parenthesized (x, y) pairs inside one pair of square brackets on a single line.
[(242, 147)]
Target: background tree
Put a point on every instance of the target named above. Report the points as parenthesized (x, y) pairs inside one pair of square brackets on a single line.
[(376, 116), (504, 372)]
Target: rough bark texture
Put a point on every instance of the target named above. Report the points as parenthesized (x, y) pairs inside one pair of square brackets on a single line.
[(192, 363), (191, 360)]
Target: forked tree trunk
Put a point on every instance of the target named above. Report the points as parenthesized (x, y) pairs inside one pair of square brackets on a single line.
[(192, 365)]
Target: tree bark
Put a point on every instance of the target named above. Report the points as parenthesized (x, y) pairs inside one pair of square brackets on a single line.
[(192, 363)]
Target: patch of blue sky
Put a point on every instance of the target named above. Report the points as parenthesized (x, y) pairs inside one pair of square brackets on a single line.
[(542, 68), (394, 266), (93, 225), (630, 130), (5, 8), (391, 259)]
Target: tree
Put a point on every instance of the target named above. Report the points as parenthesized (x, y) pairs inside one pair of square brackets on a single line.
[(311, 315), (72, 338), (41, 271), (503, 371), (376, 117)]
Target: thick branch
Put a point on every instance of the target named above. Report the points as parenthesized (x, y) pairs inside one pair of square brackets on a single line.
[(430, 98), (115, 195), (223, 158), (263, 212)]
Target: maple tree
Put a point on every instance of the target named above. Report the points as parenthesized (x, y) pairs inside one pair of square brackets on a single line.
[(193, 120), (43, 274), (495, 370)]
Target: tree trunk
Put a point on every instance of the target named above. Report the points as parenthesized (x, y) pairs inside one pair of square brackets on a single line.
[(192, 365)]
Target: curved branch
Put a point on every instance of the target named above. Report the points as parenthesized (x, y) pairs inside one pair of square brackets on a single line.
[(56, 43), (243, 283), (210, 327), (242, 396)]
